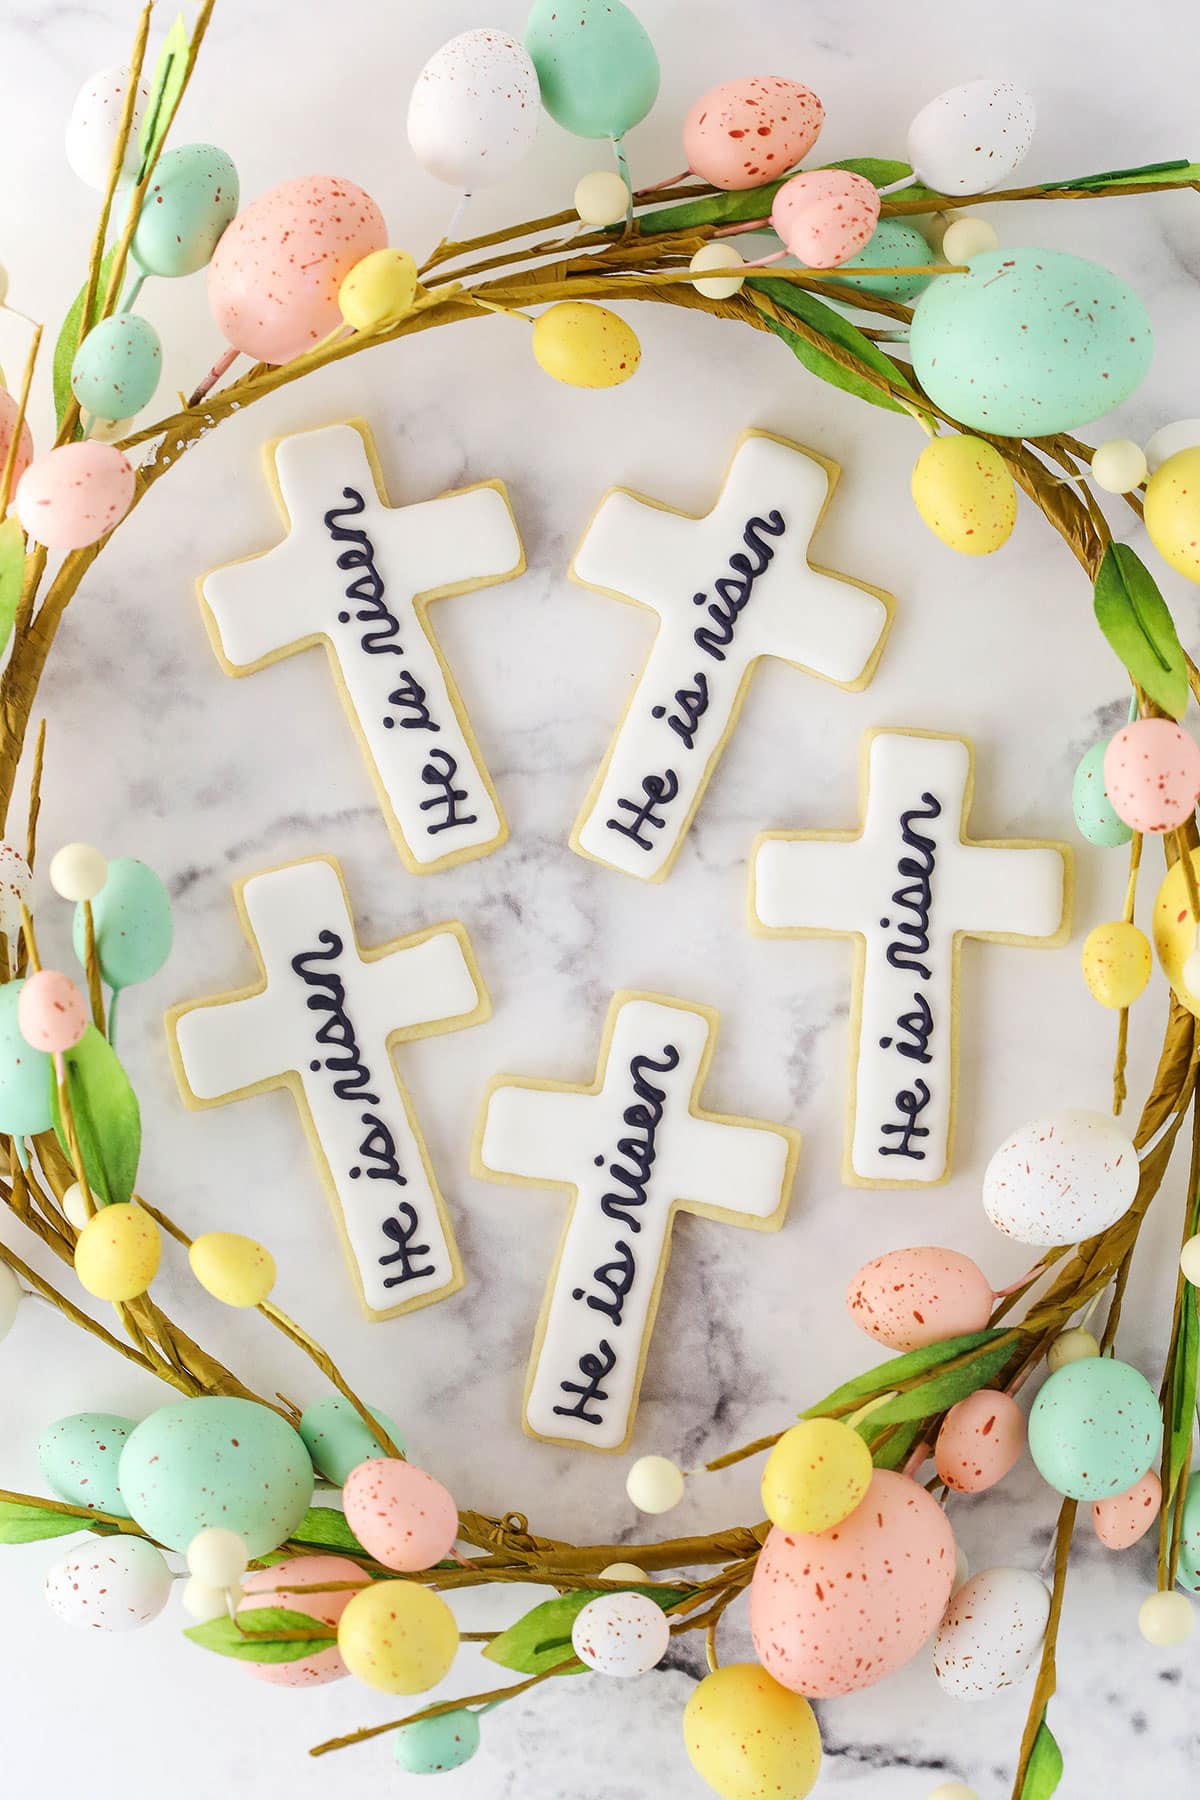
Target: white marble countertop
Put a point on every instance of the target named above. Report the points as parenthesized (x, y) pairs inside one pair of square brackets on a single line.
[(153, 751)]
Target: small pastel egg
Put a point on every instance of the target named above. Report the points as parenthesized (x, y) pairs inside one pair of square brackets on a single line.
[(622, 1571), (191, 200), (1119, 466), (1116, 962), (980, 1440), (9, 412), (280, 1586), (80, 1456), (972, 137), (117, 1254), (474, 110), (1169, 440), (1094, 815), (1189, 1536), (117, 366), (26, 1075), (432, 1746), (11, 1296), (74, 495), (397, 1637), (1095, 1428), (1152, 774), (337, 1437), (16, 883), (719, 257), (825, 215), (965, 237), (403, 1517), (654, 1484), (380, 287), (95, 124), (585, 345), (621, 1634), (51, 1011), (894, 243), (1126, 1518), (816, 1474), (747, 1736), (919, 1296), (962, 488), (1189, 1260), (601, 198), (1171, 512), (596, 67), (75, 1207), (991, 1634), (110, 1584), (1060, 1179), (131, 916), (745, 132), (1071, 1346), (1166, 1620), (233, 1269), (836, 1611), (78, 871), (1175, 933)]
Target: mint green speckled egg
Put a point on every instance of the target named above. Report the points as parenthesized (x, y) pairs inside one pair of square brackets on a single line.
[(431, 1746), (216, 1462), (893, 244), (117, 366), (1095, 1428), (80, 1456), (1094, 815), (1189, 1536), (25, 1073), (1029, 342), (192, 197), (132, 917), (337, 1439)]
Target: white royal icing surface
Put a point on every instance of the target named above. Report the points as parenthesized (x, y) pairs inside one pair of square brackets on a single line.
[(696, 671), (739, 1169), (909, 902), (368, 1138), (395, 683)]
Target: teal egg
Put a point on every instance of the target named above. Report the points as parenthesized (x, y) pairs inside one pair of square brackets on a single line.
[(132, 919), (431, 1746), (117, 366), (1095, 1428), (190, 201), (894, 243), (80, 1456), (25, 1073), (1189, 1536), (1029, 342), (216, 1462), (595, 65), (337, 1439), (1094, 815)]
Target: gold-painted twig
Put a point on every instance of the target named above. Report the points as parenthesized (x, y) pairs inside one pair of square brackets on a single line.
[(91, 963)]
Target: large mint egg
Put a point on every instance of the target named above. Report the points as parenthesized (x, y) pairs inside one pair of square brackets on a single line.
[(216, 1462), (80, 1456), (1029, 342), (25, 1073), (1095, 1428)]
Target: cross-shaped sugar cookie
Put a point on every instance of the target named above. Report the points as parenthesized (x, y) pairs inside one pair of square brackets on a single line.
[(728, 588), (357, 575)]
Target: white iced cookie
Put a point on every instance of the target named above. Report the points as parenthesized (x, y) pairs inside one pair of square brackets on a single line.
[(321, 1021), (631, 1150), (728, 588), (908, 886), (357, 575)]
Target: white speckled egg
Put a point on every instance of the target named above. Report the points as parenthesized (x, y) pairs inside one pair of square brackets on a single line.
[(972, 137), (1060, 1179), (621, 1634), (80, 1456), (15, 885), (94, 123), (110, 1584), (475, 108), (991, 1633)]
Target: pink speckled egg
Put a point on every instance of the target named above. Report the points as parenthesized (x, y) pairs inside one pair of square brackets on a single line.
[(405, 1518), (745, 132), (1152, 774), (825, 216), (72, 496), (1060, 1179), (920, 1296), (51, 1012), (274, 278), (1125, 1518), (8, 418), (837, 1610), (262, 1588), (980, 1440)]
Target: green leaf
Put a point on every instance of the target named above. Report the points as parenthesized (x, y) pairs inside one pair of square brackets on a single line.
[(1045, 1766), (899, 1445), (542, 1638), (68, 337), (1183, 1393), (21, 1524), (229, 1639), (1179, 172), (12, 574), (838, 330), (166, 83), (326, 1526), (901, 1368), (755, 203), (1134, 618), (941, 1391), (107, 1121)]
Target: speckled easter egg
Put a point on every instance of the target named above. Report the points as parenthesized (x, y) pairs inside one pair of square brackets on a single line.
[(749, 131), (8, 418), (750, 1738), (432, 1746), (980, 1440), (838, 1610), (992, 1631), (1189, 1536), (1095, 1428), (596, 67), (1116, 962), (25, 1074), (236, 1270), (963, 491), (51, 1011), (1094, 815), (1174, 931), (585, 345), (816, 1475), (80, 1455), (1029, 342), (825, 215), (621, 1634), (405, 1518), (1123, 1520), (132, 919), (1060, 1179), (73, 495), (192, 197), (117, 366), (216, 1462), (1171, 512), (894, 243), (109, 1584), (972, 137), (95, 124), (274, 278), (1152, 774), (398, 1638), (117, 1252), (337, 1439), (474, 109), (919, 1296), (262, 1588), (380, 287), (15, 884)]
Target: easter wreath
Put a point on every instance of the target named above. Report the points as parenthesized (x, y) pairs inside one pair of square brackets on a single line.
[(71, 1120)]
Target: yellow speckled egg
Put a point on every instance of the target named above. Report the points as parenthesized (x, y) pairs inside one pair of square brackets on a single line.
[(1172, 512), (751, 1739), (117, 1253), (816, 1475), (397, 1637), (1174, 931), (1116, 962), (585, 345), (962, 489), (235, 1270), (381, 286)]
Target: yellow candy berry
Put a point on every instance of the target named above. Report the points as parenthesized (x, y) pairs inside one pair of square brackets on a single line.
[(234, 1269), (380, 287), (398, 1637), (748, 1737), (585, 345), (1116, 962), (816, 1475), (117, 1253)]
